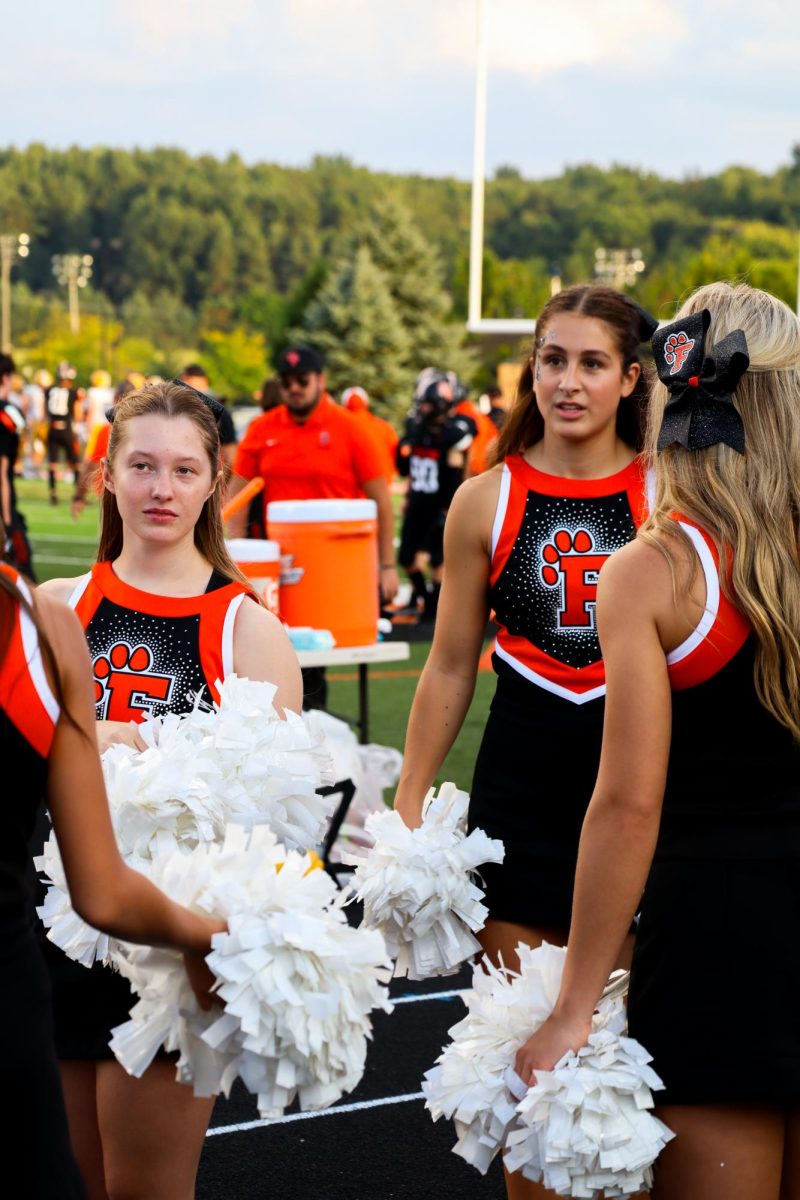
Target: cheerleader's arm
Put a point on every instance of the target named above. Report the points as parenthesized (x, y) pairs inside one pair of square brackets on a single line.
[(104, 891), (447, 682), (262, 651), (621, 825)]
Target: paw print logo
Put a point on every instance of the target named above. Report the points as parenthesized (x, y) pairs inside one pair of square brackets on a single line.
[(125, 685), (570, 562), (676, 348)]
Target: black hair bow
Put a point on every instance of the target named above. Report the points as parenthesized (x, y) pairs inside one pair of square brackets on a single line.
[(700, 411), (216, 406), (647, 322)]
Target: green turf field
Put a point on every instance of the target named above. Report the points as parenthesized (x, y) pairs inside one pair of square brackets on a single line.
[(63, 547)]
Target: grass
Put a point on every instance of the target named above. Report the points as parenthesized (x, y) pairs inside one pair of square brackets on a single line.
[(63, 547)]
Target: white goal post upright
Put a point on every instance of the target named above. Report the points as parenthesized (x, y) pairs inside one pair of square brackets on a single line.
[(475, 322)]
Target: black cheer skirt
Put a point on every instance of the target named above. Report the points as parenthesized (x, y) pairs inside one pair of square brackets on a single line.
[(534, 777), (88, 1002), (715, 981), (34, 1140)]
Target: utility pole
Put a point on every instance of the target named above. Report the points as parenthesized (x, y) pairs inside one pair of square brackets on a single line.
[(73, 271), (12, 247)]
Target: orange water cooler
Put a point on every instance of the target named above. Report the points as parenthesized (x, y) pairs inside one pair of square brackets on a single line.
[(329, 566), (260, 561)]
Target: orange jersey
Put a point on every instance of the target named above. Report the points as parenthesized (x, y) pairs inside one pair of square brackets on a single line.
[(153, 654), (97, 449), (486, 434), (329, 456), (384, 436)]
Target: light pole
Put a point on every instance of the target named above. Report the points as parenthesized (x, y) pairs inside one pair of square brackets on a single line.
[(12, 247), (618, 268), (73, 271)]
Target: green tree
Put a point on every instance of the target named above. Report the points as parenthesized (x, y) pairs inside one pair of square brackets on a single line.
[(413, 271), (355, 324), (235, 361)]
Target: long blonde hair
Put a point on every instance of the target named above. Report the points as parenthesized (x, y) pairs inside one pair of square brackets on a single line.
[(748, 504), (170, 400)]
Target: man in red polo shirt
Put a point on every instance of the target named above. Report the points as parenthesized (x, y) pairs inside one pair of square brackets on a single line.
[(309, 448)]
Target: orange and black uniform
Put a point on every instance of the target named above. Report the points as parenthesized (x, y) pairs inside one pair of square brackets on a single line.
[(150, 655), (34, 1123), (60, 403), (422, 456), (715, 949), (12, 424), (537, 763)]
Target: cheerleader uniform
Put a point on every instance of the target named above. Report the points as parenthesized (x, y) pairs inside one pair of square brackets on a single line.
[(537, 763), (150, 655), (715, 983), (35, 1138)]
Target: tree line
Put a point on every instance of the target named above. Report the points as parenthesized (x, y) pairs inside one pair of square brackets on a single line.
[(225, 261)]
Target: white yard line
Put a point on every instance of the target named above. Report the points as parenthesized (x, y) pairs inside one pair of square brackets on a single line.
[(360, 1106), (411, 999)]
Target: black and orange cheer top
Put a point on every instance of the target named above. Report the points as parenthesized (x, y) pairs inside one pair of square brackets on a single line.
[(28, 715), (550, 539), (733, 782), (153, 654)]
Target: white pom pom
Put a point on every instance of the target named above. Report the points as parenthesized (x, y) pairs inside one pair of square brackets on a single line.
[(297, 982), (584, 1129), (236, 763), (469, 1083), (418, 886)]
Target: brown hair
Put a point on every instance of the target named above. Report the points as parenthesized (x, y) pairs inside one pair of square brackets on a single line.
[(524, 425), (170, 400)]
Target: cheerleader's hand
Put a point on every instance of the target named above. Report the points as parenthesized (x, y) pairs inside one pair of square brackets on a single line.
[(114, 733), (201, 977), (549, 1044)]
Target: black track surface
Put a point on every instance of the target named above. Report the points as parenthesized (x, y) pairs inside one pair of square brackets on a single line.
[(391, 1152)]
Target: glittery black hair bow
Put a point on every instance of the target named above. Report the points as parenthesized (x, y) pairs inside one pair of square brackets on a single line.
[(700, 411), (647, 322), (216, 406)]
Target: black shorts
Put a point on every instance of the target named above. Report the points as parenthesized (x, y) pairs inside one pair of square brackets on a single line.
[(422, 532), (62, 442)]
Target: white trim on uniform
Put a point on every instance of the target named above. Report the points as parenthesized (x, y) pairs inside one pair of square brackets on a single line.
[(543, 682), (502, 506), (33, 658), (227, 634), (81, 585), (712, 596)]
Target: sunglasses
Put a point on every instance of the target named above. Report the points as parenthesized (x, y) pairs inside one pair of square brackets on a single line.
[(301, 377)]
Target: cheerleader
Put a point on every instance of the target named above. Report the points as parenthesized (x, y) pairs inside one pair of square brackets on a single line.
[(45, 708), (527, 540), (697, 798), (166, 614)]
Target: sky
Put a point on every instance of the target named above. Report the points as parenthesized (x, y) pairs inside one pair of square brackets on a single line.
[(674, 86)]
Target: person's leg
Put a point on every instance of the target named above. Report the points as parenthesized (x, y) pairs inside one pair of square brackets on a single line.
[(79, 1081), (153, 1130), (720, 1152), (790, 1173), (499, 940)]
